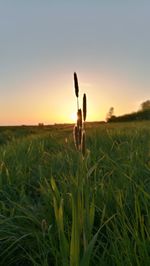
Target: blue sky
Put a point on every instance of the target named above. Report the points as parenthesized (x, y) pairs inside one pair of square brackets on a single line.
[(42, 43)]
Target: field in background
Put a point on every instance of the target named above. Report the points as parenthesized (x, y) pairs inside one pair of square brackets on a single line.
[(117, 168)]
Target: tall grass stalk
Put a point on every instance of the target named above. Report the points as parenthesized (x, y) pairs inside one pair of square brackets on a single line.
[(83, 206), (79, 128)]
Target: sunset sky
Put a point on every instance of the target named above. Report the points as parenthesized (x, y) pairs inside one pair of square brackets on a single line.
[(42, 42)]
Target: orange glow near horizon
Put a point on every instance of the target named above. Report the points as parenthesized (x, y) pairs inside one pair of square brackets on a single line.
[(47, 101)]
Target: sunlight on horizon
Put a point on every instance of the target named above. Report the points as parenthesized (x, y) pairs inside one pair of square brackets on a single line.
[(73, 117), (46, 99), (41, 104)]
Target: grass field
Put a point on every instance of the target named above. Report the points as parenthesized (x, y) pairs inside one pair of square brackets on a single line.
[(58, 208)]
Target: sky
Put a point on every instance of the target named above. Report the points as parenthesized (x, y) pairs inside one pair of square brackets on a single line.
[(43, 42)]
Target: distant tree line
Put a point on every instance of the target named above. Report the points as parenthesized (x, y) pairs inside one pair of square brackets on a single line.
[(142, 114)]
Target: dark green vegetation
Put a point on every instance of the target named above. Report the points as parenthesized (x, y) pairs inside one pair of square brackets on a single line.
[(142, 115), (43, 180), (136, 116)]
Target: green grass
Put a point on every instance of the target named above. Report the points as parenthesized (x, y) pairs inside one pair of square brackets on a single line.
[(57, 208)]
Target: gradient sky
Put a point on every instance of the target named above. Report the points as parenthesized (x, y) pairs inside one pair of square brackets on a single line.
[(42, 42)]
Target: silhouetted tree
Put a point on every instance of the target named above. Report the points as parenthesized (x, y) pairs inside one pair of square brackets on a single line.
[(110, 114), (145, 105)]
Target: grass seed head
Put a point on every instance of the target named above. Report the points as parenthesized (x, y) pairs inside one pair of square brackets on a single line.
[(44, 225), (76, 85), (79, 118), (84, 107)]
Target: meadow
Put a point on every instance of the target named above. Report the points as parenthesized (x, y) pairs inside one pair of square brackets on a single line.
[(60, 208)]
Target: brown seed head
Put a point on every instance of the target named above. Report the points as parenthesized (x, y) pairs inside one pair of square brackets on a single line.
[(76, 85), (44, 225), (79, 118), (84, 107)]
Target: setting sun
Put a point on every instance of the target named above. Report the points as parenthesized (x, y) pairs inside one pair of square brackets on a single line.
[(73, 117)]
